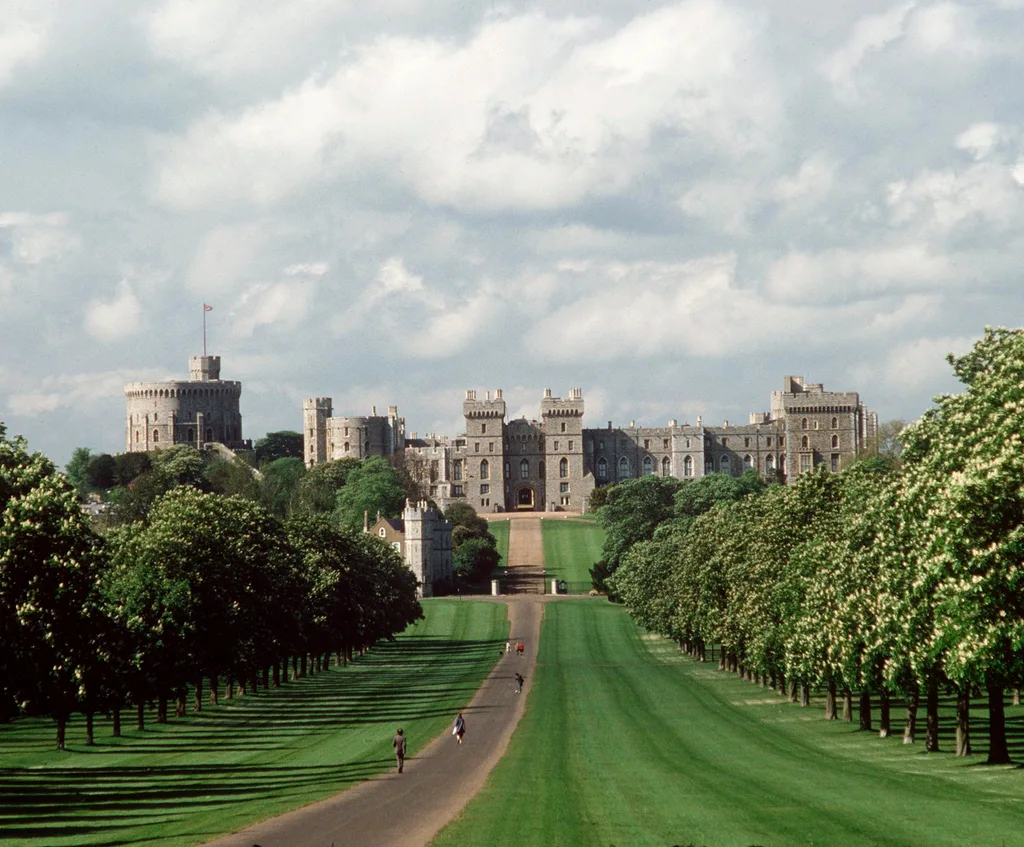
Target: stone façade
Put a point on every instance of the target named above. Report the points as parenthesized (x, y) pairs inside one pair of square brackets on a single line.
[(554, 463), (204, 409)]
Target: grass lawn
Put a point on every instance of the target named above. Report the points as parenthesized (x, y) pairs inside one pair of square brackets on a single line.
[(192, 779), (625, 742), (570, 549), (499, 529)]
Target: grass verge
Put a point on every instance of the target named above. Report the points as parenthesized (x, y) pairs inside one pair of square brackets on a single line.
[(625, 742), (571, 547), (250, 758)]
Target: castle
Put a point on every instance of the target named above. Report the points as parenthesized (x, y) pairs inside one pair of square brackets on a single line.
[(200, 410), (423, 538), (554, 463)]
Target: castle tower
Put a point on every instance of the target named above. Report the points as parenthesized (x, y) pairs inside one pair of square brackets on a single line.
[(483, 474), (416, 545), (315, 412), (562, 421), (204, 368)]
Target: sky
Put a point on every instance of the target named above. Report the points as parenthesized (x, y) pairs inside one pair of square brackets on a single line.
[(670, 205)]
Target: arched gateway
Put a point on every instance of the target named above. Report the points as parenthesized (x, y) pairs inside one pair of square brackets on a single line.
[(525, 498)]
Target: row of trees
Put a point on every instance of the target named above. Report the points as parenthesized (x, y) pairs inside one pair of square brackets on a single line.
[(887, 579), (197, 588)]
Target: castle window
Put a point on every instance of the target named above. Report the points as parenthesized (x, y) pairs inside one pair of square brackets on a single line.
[(688, 466), (570, 445), (563, 487), (346, 446), (136, 436), (835, 442), (664, 444), (687, 443), (769, 463), (490, 447), (485, 489), (726, 465), (600, 445), (540, 469), (748, 462), (366, 448), (782, 441), (556, 445), (524, 469), (156, 416), (381, 532), (648, 466), (647, 444), (602, 469), (156, 436), (709, 466), (746, 442), (485, 470), (768, 441), (805, 462), (803, 424), (190, 436), (456, 491), (476, 446), (804, 442), (623, 468), (563, 467), (457, 470), (346, 432), (835, 463), (725, 442), (815, 424), (666, 467), (835, 423), (563, 426), (483, 429)]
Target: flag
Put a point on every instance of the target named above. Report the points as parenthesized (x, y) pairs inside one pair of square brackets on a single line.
[(207, 308)]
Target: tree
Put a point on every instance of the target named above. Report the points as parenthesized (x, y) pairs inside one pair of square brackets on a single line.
[(371, 488), (634, 509), (279, 485), (49, 564), (232, 477), (318, 489), (129, 466), (885, 443), (285, 444), (75, 470), (99, 472), (475, 559)]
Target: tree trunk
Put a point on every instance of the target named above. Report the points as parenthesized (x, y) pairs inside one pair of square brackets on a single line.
[(198, 704), (295, 668), (847, 705), (140, 715), (793, 690), (302, 666), (884, 717), (181, 706), (254, 681), (865, 710), (229, 688), (161, 709), (241, 685), (266, 677), (963, 722), (830, 701), (89, 738), (998, 752), (805, 695), (62, 731), (910, 727), (721, 659), (931, 735), (277, 674), (214, 683), (1016, 696), (116, 716)]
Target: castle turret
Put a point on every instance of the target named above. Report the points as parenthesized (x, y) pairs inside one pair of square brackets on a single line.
[(565, 487), (484, 473), (315, 412)]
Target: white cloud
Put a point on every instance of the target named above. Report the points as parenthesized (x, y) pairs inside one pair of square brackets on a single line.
[(915, 365), (72, 391), (36, 238), (115, 319), (530, 113), (871, 34), (24, 31), (281, 305), (981, 139)]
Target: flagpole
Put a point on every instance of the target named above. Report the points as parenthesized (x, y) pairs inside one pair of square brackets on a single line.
[(204, 330)]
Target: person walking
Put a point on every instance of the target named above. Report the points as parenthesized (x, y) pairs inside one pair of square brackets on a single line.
[(459, 729), (519, 683), (399, 744), (508, 646)]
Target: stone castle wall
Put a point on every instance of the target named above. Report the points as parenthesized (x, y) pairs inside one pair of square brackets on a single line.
[(554, 463)]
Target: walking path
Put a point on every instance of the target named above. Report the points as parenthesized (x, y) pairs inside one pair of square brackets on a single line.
[(525, 573), (409, 809)]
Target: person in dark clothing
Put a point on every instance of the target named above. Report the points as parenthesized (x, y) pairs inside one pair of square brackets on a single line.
[(399, 745), (519, 683), (459, 729)]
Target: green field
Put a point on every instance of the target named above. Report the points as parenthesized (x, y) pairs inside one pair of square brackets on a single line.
[(570, 549), (626, 742), (194, 778), (499, 529)]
